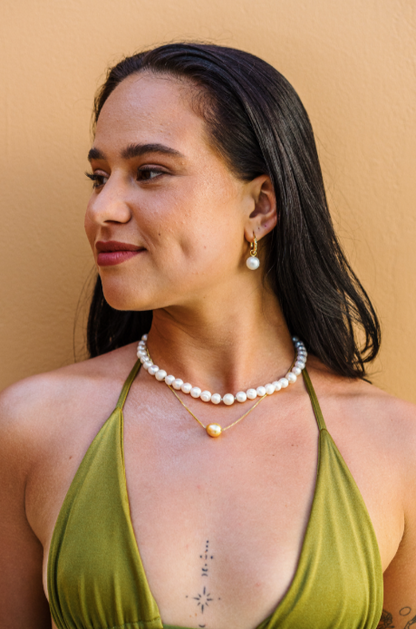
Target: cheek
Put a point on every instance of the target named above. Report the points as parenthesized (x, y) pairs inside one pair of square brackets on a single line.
[(199, 250), (90, 228), (196, 232)]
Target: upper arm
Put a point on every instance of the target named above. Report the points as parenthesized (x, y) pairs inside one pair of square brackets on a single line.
[(400, 577), (22, 600), (399, 607)]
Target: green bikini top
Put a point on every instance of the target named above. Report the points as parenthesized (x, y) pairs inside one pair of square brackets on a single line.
[(95, 574)]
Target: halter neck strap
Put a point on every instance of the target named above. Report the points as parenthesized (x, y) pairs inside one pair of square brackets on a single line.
[(314, 401), (126, 387)]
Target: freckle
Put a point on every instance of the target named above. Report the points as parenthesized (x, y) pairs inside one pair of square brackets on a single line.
[(70, 456)]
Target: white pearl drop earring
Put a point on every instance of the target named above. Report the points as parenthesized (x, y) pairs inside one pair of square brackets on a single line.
[(253, 262)]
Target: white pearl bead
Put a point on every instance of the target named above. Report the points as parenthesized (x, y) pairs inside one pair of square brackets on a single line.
[(206, 396), (284, 382), (296, 371), (152, 370), (143, 359), (253, 263), (261, 391), (269, 388), (195, 392), (160, 375), (169, 380), (142, 344), (251, 394), (186, 387), (144, 337), (241, 396), (228, 399), (300, 364), (147, 364), (295, 339), (177, 383), (277, 385), (291, 377), (215, 398)]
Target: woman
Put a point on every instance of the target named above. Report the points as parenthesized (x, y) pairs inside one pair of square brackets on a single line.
[(203, 166)]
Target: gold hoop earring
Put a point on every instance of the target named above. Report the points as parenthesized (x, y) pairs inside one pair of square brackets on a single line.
[(253, 262)]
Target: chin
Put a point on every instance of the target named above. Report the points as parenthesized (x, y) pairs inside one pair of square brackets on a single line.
[(123, 298)]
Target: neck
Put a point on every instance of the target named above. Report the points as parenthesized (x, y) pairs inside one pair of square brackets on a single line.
[(224, 346)]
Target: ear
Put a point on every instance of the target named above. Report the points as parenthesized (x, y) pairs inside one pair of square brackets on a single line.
[(263, 216)]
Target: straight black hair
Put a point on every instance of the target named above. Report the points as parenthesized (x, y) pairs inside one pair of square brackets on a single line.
[(257, 122)]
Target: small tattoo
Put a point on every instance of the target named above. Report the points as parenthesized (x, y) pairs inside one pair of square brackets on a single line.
[(385, 621), (405, 611), (203, 599), (411, 622), (205, 558)]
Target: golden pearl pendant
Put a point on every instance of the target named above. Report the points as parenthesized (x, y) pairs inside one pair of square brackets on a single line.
[(214, 430)]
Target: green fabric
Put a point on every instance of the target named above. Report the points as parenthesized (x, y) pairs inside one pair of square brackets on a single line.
[(96, 578)]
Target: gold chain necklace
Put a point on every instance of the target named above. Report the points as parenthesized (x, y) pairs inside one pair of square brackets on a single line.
[(215, 430)]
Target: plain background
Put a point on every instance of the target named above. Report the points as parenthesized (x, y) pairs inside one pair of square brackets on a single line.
[(353, 65)]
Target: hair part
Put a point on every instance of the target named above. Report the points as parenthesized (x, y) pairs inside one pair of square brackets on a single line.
[(256, 121)]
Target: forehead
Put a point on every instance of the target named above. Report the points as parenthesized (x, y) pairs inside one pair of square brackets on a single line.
[(151, 109)]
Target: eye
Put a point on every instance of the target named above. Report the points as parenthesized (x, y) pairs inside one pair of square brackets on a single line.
[(98, 180), (148, 173)]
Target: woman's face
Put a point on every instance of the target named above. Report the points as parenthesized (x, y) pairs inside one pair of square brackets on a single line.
[(166, 217)]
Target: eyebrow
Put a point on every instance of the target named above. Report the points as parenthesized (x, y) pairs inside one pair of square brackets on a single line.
[(136, 150)]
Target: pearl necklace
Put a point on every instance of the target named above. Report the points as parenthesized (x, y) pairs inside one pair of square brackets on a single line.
[(206, 396)]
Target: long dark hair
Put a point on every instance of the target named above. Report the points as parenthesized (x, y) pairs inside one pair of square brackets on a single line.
[(256, 120)]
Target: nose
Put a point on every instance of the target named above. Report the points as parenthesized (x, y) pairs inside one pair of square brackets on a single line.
[(109, 203)]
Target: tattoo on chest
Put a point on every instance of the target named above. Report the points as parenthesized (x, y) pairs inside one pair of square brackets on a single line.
[(204, 598), (386, 620), (206, 557)]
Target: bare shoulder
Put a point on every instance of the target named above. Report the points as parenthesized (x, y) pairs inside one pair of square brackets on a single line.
[(387, 422), (42, 406)]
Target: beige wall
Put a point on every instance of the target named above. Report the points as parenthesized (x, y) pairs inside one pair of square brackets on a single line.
[(353, 64)]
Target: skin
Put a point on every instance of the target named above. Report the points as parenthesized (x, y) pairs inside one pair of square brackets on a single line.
[(215, 324)]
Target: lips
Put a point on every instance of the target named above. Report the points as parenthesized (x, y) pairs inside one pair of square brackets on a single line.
[(112, 252)]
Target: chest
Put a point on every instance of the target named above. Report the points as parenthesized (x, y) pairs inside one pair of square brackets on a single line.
[(221, 520)]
